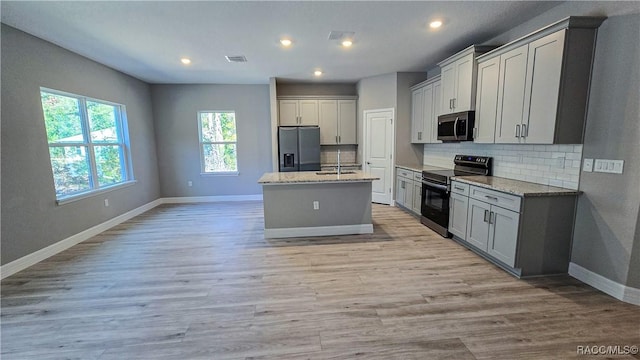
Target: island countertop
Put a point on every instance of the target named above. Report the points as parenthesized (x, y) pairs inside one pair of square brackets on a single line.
[(302, 177)]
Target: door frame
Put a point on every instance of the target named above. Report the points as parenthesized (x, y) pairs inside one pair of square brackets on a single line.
[(365, 125)]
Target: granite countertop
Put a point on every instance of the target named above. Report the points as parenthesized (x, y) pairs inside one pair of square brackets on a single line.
[(420, 168), (515, 187), (312, 177)]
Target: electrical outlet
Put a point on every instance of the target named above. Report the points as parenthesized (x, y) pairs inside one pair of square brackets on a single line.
[(106, 202), (189, 183), (587, 166), (316, 205)]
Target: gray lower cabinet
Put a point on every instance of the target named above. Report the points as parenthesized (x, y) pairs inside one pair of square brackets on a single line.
[(417, 197), (458, 204), (409, 189), (525, 235)]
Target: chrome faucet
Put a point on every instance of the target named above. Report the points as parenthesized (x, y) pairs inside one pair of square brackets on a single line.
[(339, 167)]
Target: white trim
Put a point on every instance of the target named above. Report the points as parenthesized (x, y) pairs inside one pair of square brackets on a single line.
[(621, 292), (319, 231), (95, 192), (35, 257), (201, 199)]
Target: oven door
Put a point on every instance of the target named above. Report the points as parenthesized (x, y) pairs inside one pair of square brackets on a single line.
[(435, 203)]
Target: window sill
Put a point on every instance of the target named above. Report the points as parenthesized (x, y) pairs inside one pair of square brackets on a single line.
[(228, 173), (92, 193)]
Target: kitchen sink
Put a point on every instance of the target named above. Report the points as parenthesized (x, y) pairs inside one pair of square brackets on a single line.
[(335, 172)]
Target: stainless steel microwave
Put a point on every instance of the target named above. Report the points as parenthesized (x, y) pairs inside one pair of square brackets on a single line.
[(456, 126)]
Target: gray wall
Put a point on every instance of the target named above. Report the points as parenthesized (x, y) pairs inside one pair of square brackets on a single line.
[(285, 89), (31, 220), (406, 152), (175, 109), (606, 228), (377, 92)]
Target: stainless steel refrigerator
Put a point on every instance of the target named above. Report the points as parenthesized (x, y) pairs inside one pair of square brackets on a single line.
[(299, 148)]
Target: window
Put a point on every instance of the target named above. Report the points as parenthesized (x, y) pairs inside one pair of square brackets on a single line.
[(218, 142), (87, 143)]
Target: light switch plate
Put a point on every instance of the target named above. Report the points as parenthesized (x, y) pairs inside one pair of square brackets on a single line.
[(609, 166), (587, 166)]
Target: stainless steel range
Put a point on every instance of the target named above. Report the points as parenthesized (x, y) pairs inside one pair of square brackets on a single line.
[(436, 186)]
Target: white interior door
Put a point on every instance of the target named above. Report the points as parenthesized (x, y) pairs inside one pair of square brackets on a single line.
[(378, 145)]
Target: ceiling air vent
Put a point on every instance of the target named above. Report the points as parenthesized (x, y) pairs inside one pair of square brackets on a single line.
[(236, 58), (339, 35)]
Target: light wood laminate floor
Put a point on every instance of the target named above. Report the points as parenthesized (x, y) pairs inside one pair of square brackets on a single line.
[(199, 281)]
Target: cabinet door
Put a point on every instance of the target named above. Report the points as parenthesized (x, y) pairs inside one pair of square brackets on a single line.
[(464, 99), (448, 80), (328, 112), (288, 112), (400, 190), (503, 235), (417, 116), (511, 90), (347, 122), (458, 205), (427, 114), (408, 194), (417, 197), (437, 96), (478, 224), (308, 111), (544, 68), (487, 101)]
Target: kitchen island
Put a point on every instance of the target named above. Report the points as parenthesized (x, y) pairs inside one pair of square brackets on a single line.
[(310, 203)]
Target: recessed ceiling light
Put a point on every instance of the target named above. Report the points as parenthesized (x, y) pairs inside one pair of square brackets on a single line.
[(185, 61), (285, 42), (435, 24), (347, 43), (317, 73)]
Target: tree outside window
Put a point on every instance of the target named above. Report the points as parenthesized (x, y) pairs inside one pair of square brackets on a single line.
[(86, 140), (218, 142)]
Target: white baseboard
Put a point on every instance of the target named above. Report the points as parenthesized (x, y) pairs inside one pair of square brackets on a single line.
[(200, 199), (319, 231), (35, 257), (621, 292)]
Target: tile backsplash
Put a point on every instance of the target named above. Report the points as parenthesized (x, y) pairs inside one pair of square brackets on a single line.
[(556, 165), (329, 154)]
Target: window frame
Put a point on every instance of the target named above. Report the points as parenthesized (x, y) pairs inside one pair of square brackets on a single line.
[(123, 141), (202, 143)]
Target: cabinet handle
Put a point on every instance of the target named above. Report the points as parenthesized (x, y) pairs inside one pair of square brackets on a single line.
[(459, 188), (492, 218), (518, 130), (486, 212), (491, 197), (454, 102), (419, 135), (451, 104), (336, 139), (402, 184), (339, 139), (525, 130)]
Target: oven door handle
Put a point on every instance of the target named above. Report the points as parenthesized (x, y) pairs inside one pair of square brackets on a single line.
[(434, 185)]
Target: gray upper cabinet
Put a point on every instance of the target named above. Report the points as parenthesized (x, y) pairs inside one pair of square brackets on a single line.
[(425, 107), (543, 84), (487, 101), (458, 77), (298, 112), (337, 122)]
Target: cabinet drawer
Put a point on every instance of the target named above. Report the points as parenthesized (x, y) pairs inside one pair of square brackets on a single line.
[(507, 201), (417, 176), (460, 188), (405, 173)]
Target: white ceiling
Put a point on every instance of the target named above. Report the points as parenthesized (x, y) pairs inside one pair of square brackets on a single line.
[(147, 38)]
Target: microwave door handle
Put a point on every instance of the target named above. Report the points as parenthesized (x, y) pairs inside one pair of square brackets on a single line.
[(455, 128)]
